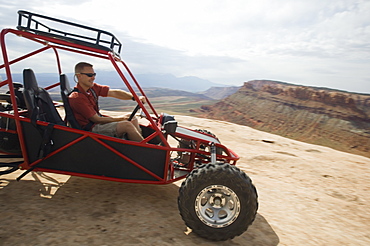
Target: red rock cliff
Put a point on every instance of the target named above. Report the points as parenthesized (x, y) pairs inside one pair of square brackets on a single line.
[(332, 118)]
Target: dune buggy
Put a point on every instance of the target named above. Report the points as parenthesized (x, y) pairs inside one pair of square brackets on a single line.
[(217, 200)]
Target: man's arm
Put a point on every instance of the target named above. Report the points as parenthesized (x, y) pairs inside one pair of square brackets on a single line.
[(123, 95), (120, 94)]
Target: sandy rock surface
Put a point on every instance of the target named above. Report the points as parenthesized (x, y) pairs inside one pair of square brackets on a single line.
[(308, 195)]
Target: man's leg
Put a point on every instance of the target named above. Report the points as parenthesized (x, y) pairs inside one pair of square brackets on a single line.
[(135, 122), (132, 132)]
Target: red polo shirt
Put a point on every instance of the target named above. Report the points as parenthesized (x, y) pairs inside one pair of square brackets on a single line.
[(84, 104)]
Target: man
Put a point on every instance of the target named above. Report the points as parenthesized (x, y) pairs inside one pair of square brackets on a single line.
[(84, 103)]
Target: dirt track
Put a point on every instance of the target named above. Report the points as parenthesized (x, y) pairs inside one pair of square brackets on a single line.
[(308, 195)]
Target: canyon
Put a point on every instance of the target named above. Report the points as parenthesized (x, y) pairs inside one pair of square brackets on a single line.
[(332, 118)]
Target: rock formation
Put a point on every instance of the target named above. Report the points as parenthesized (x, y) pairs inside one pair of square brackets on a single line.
[(332, 118)]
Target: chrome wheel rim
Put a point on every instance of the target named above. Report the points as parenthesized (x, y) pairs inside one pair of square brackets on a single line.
[(217, 206)]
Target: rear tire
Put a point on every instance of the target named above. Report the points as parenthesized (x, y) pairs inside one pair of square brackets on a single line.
[(218, 201)]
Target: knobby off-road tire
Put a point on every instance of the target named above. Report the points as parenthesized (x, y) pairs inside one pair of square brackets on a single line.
[(218, 201)]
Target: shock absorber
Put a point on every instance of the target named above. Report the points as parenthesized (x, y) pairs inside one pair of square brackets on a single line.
[(213, 153)]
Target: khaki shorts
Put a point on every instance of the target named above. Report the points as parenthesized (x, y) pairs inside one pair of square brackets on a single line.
[(108, 129)]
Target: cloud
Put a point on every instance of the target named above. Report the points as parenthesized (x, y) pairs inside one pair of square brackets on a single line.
[(305, 42)]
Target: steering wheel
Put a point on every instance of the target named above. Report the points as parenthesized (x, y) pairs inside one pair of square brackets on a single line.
[(134, 112)]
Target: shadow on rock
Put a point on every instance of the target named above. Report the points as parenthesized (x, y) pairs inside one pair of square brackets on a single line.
[(95, 212)]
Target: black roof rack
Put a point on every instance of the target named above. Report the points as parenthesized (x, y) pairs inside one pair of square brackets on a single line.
[(75, 33)]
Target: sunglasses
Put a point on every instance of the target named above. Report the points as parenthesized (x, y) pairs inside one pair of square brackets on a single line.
[(88, 74)]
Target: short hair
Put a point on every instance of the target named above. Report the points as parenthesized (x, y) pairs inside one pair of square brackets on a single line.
[(81, 65)]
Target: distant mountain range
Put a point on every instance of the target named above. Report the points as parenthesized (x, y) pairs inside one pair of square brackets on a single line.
[(111, 78), (213, 93), (188, 83), (218, 93)]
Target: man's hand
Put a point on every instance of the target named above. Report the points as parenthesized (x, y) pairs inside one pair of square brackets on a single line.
[(142, 99)]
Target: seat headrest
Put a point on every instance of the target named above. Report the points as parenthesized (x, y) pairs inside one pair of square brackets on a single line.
[(29, 80), (64, 83)]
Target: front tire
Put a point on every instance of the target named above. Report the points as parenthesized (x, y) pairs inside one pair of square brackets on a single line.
[(218, 201)]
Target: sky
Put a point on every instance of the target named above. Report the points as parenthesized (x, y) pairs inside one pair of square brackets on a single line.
[(324, 43)]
